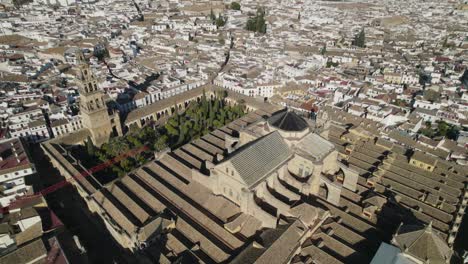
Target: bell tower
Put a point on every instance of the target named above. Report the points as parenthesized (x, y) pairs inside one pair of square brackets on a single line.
[(93, 108)]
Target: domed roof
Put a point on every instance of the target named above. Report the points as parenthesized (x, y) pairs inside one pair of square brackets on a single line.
[(288, 121), (423, 243)]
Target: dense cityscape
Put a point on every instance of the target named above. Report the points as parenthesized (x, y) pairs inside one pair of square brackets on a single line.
[(197, 131)]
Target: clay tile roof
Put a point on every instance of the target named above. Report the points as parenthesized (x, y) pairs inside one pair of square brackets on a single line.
[(421, 156), (13, 156), (423, 243), (255, 160), (59, 122), (428, 141), (285, 245), (26, 254)]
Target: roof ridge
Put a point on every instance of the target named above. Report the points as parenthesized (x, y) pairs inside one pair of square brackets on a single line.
[(430, 237), (422, 232), (282, 120)]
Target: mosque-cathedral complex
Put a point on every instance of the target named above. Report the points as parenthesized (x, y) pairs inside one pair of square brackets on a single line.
[(233, 131), (272, 187)]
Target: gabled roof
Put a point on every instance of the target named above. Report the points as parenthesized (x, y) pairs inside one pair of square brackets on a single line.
[(285, 245), (254, 160)]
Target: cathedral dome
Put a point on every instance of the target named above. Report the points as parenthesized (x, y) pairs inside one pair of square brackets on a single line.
[(423, 243), (288, 121)]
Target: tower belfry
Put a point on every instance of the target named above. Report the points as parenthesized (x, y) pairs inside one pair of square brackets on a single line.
[(93, 109)]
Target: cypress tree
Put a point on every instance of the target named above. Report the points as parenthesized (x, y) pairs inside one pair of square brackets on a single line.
[(212, 15), (90, 148), (360, 39)]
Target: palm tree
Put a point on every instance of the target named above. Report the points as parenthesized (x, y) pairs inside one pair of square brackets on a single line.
[(118, 147)]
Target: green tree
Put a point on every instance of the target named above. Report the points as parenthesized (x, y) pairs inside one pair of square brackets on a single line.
[(101, 155), (90, 148), (323, 50), (19, 3), (424, 78), (211, 115), (427, 132), (171, 129), (216, 105), (431, 95), (198, 119), (443, 128), (134, 140), (257, 23), (118, 170), (217, 124), (251, 24), (127, 164), (235, 6), (161, 143), (204, 102), (184, 131), (445, 43), (447, 130), (453, 133), (360, 39), (222, 116), (332, 64), (212, 15), (117, 147), (140, 159), (196, 130), (220, 21), (101, 52), (147, 134), (464, 78)]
